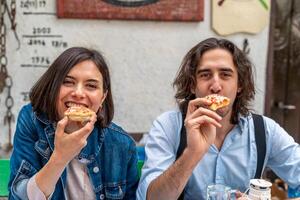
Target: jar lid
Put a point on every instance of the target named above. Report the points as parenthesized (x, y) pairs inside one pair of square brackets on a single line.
[(260, 184)]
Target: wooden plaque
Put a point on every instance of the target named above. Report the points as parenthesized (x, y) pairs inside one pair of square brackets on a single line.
[(163, 10)]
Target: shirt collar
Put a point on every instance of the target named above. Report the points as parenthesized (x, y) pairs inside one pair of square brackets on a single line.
[(94, 141), (242, 122), (42, 117)]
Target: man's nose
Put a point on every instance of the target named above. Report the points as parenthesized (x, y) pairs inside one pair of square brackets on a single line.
[(216, 85)]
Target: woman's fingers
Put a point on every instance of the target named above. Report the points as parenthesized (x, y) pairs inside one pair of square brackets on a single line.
[(61, 125), (86, 130)]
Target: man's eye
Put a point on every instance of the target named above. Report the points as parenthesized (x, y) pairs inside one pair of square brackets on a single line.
[(226, 75), (204, 75)]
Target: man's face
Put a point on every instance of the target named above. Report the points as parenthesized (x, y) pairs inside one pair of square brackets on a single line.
[(217, 74)]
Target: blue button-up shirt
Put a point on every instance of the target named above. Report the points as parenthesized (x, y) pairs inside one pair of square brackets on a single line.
[(233, 165)]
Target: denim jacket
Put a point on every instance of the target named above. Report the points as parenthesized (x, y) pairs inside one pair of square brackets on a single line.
[(110, 152)]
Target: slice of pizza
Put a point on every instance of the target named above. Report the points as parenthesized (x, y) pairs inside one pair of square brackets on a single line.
[(218, 101), (79, 113)]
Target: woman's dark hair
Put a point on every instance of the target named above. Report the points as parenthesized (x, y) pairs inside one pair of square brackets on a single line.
[(186, 76), (44, 93)]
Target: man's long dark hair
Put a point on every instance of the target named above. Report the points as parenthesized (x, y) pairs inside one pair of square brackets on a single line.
[(186, 76), (44, 93)]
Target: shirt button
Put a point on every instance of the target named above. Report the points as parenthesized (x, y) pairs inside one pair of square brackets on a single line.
[(96, 169), (102, 196)]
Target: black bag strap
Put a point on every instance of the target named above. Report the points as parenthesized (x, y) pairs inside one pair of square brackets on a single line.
[(260, 139), (182, 145)]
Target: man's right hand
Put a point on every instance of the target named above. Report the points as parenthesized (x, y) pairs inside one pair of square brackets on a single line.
[(201, 124)]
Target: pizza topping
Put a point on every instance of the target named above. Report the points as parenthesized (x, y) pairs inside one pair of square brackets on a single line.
[(79, 113), (218, 101)]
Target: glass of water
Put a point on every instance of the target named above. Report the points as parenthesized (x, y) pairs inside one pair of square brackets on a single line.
[(218, 192)]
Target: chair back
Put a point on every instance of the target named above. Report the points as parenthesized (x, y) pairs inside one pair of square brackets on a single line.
[(141, 158), (4, 177)]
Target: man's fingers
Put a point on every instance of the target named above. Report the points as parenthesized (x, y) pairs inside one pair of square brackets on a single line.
[(204, 111), (196, 103), (201, 120), (238, 194)]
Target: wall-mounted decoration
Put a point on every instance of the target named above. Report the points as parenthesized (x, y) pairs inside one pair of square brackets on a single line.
[(235, 16), (166, 10)]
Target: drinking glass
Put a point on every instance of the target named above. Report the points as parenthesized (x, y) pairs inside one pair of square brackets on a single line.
[(218, 192)]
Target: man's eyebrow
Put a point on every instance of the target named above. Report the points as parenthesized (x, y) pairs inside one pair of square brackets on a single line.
[(226, 70), (202, 70)]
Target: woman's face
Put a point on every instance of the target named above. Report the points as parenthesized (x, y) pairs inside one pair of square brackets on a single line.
[(82, 86)]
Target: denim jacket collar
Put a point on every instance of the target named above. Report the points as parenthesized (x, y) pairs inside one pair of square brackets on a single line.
[(94, 141)]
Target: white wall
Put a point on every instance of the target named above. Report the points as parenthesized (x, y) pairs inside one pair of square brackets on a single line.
[(143, 57)]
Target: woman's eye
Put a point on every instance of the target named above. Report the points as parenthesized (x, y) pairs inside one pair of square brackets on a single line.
[(92, 86), (68, 82)]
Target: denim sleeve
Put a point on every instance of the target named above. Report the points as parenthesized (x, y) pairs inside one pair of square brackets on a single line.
[(20, 190), (293, 192), (132, 174), (24, 159), (34, 192)]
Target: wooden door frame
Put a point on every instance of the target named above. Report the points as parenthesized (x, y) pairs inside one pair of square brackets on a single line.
[(281, 103), (270, 57)]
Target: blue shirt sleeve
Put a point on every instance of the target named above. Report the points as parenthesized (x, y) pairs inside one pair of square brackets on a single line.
[(284, 154), (160, 149)]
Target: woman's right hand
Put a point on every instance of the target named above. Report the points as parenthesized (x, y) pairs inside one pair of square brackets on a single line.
[(68, 145)]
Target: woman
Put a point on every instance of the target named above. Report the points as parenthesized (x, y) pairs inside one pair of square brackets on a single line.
[(96, 160)]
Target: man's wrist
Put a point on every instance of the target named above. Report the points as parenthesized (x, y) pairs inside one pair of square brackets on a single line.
[(193, 157)]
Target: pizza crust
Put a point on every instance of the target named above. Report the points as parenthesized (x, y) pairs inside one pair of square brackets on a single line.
[(79, 113), (218, 101)]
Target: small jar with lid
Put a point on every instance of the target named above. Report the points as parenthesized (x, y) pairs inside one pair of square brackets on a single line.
[(260, 189)]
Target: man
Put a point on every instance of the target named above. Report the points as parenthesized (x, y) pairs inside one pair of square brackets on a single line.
[(221, 146)]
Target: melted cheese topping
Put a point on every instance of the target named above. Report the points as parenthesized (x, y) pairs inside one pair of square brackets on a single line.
[(218, 101)]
